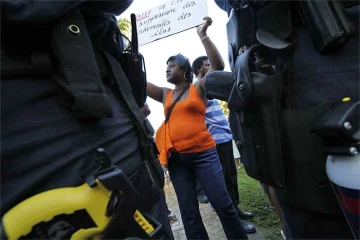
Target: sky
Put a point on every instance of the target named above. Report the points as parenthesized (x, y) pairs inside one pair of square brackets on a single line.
[(187, 43)]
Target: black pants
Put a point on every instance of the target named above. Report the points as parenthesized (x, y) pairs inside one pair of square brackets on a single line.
[(226, 156), (302, 223)]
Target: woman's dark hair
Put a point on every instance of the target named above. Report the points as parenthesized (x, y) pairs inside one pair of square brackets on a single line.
[(198, 63), (184, 64)]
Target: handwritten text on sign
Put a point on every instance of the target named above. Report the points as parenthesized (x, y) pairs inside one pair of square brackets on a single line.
[(169, 18)]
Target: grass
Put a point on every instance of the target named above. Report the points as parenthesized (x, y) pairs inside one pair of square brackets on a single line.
[(253, 199)]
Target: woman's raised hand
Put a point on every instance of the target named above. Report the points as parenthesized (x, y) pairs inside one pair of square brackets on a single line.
[(201, 29)]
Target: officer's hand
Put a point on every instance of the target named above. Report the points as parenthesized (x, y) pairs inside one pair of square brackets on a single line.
[(201, 29)]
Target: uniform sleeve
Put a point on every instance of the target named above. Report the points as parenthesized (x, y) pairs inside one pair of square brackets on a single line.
[(34, 11), (37, 12), (224, 5)]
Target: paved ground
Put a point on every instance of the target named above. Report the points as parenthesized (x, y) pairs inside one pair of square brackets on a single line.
[(209, 216)]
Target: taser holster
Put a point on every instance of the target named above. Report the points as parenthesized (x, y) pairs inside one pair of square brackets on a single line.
[(107, 206)]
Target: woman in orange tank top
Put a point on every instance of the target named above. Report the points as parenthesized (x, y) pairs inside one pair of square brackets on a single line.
[(194, 154)]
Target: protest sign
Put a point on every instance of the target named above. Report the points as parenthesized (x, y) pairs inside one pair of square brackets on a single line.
[(169, 18)]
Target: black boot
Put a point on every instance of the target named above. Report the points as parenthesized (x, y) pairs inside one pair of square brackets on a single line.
[(248, 227), (244, 215)]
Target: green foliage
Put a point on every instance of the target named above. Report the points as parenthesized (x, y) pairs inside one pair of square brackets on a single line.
[(254, 199), (125, 28), (124, 25), (224, 107)]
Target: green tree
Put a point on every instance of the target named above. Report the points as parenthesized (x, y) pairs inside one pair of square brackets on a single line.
[(224, 107), (125, 26)]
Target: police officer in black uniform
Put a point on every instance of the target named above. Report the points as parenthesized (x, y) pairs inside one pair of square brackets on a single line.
[(313, 49), (64, 95)]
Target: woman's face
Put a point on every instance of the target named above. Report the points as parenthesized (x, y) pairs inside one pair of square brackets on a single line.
[(173, 72)]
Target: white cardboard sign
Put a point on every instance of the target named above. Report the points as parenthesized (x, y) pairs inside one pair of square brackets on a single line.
[(169, 18)]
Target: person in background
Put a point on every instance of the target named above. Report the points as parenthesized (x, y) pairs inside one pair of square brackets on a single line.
[(278, 210), (236, 154), (194, 154), (274, 205), (217, 124)]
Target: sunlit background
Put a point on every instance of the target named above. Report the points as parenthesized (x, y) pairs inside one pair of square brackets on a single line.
[(187, 42)]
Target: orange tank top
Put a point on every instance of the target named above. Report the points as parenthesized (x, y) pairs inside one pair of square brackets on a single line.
[(187, 127)]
